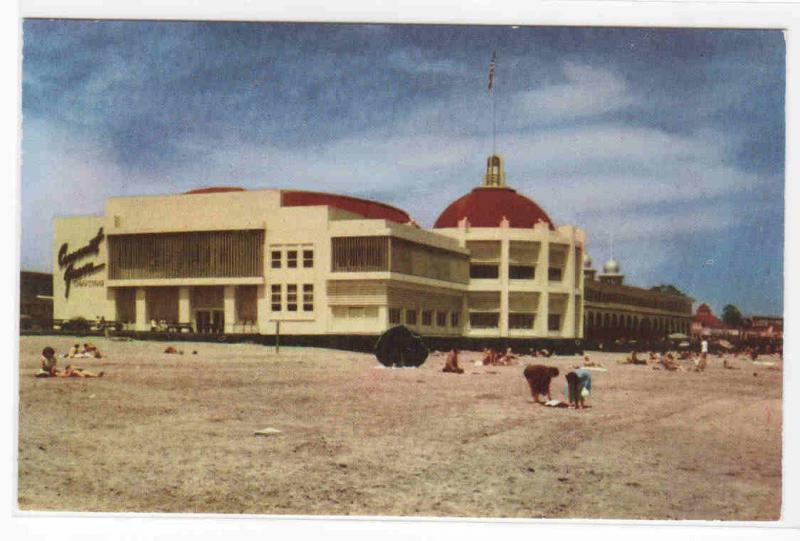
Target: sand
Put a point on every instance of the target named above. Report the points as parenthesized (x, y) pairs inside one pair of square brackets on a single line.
[(175, 433)]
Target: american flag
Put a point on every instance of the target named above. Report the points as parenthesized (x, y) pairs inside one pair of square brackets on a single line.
[(492, 66)]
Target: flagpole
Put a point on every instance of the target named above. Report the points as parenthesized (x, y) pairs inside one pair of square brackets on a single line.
[(494, 127)]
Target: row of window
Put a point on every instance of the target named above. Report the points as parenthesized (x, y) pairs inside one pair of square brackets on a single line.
[(633, 322), (515, 272), (516, 320), (289, 301), (427, 319), (593, 295), (477, 320), (290, 261)]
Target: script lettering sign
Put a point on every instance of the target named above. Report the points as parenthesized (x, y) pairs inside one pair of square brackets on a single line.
[(67, 259)]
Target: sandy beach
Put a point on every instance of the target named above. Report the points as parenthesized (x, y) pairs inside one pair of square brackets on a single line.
[(175, 433)]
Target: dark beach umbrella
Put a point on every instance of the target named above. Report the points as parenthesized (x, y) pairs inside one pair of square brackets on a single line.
[(400, 347)]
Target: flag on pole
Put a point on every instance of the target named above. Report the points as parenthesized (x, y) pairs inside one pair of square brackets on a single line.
[(492, 66)]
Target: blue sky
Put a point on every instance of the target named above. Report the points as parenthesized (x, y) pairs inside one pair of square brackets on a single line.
[(672, 141)]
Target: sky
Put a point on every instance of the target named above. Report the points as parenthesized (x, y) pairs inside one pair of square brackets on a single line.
[(669, 141)]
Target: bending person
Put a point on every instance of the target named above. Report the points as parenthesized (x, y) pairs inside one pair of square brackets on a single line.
[(579, 385)]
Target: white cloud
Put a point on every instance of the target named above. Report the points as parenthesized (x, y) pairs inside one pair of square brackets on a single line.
[(588, 91)]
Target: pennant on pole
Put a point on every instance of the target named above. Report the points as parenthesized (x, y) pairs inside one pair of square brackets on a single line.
[(492, 66)]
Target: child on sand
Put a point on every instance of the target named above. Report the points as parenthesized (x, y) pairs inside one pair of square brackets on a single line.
[(48, 364)]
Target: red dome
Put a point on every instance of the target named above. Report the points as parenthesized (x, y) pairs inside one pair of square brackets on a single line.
[(215, 189), (486, 207)]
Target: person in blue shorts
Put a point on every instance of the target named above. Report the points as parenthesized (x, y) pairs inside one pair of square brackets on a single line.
[(579, 385)]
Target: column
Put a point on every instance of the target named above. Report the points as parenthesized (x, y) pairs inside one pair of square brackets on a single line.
[(262, 309), (540, 325), (504, 257), (230, 308), (142, 324), (110, 313), (184, 305), (568, 325), (543, 265)]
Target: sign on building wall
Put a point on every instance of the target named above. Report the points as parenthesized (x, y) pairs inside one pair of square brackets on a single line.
[(74, 275)]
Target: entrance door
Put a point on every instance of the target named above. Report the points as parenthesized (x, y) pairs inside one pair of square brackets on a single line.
[(211, 321), (218, 321)]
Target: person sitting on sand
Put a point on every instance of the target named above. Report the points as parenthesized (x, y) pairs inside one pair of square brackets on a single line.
[(670, 363), (489, 357), (75, 372), (579, 385), (634, 358), (507, 358), (451, 363), (48, 363), (73, 351), (588, 362)]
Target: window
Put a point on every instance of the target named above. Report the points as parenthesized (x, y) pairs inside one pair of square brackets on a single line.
[(484, 320), (308, 259), (427, 317), (276, 259), (521, 272), (554, 274), (394, 316), (521, 321), (291, 259), (554, 322), (308, 297), (483, 271), (291, 297), (356, 312), (276, 297), (411, 317), (455, 319)]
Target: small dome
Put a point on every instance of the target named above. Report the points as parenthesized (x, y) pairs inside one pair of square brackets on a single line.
[(611, 267), (587, 261)]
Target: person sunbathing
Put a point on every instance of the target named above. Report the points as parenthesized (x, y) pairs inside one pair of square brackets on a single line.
[(588, 362), (75, 372)]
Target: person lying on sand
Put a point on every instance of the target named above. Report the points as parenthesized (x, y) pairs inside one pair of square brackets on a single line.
[(669, 363), (75, 372)]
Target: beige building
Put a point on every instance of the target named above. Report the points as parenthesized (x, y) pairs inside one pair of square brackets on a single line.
[(615, 310), (226, 260)]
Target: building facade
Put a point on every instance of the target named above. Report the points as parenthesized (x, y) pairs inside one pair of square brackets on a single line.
[(35, 299), (616, 311), (226, 260)]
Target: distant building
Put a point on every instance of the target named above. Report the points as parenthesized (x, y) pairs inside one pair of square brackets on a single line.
[(762, 327), (35, 298), (227, 260), (706, 324), (615, 311)]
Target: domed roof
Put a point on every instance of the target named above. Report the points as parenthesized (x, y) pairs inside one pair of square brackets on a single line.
[(486, 207), (587, 261), (215, 189), (611, 267)]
